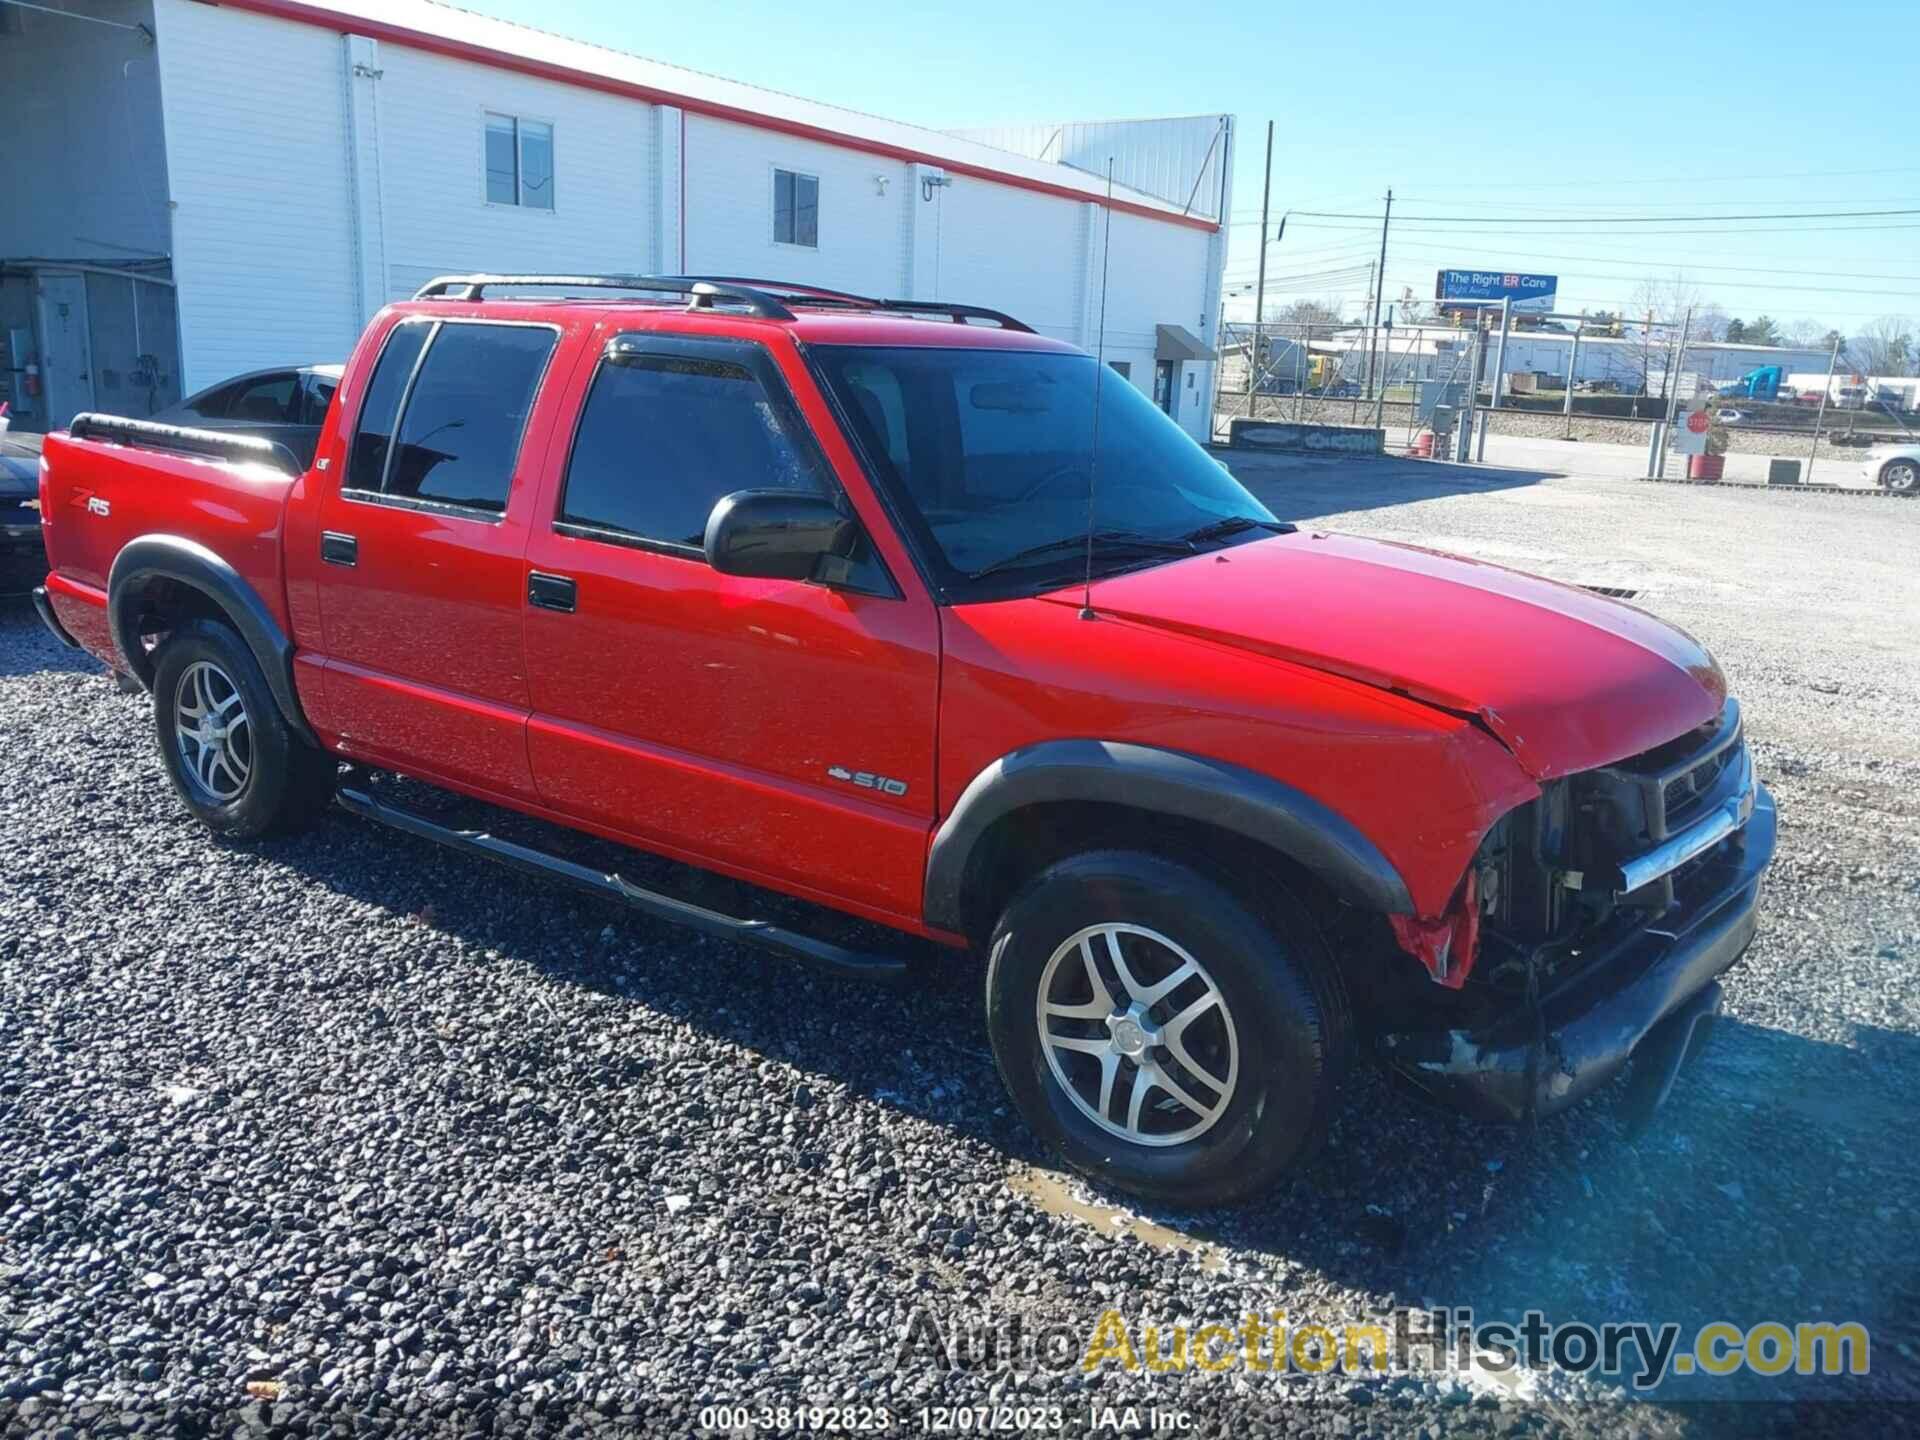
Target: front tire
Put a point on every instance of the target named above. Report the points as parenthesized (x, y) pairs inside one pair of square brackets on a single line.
[(1159, 1034), (1902, 477), (228, 751)]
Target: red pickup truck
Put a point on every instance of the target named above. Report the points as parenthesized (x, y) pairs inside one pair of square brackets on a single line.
[(910, 612)]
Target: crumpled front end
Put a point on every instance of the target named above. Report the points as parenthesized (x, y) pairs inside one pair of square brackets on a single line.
[(1607, 909)]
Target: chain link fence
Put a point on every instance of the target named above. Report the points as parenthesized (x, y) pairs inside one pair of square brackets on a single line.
[(1562, 377), (1343, 374)]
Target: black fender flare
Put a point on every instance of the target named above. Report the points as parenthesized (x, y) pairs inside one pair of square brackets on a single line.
[(174, 557), (1160, 782)]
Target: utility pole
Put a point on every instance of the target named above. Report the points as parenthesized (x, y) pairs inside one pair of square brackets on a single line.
[(1813, 450), (1260, 286), (1573, 371), (1386, 373), (1679, 358), (1499, 375), (1380, 284)]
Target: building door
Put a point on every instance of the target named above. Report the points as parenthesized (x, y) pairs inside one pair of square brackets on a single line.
[(66, 355), (1166, 391)]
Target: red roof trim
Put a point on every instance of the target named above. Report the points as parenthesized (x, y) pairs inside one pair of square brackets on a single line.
[(587, 80)]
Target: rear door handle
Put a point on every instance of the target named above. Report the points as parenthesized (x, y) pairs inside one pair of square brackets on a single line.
[(338, 549), (550, 592)]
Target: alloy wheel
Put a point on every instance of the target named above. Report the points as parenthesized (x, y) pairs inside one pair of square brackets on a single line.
[(211, 731), (1903, 476), (1138, 1034)]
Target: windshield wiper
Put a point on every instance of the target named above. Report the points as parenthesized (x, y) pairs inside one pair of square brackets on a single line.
[(1104, 539), (1234, 525)]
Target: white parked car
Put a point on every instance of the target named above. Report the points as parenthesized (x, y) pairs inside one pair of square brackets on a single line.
[(1897, 468)]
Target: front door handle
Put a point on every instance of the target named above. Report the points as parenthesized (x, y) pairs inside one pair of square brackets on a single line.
[(339, 549), (550, 592)]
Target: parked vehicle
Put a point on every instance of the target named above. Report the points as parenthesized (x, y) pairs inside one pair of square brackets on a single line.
[(284, 405), (1896, 469), (799, 586), (1760, 384), (23, 558)]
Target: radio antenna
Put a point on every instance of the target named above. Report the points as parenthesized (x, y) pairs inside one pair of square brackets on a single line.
[(1099, 376)]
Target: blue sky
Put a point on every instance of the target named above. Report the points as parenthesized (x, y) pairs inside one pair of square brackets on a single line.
[(1572, 111)]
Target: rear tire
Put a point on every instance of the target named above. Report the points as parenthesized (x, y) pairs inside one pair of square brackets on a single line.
[(231, 756), (1213, 1088)]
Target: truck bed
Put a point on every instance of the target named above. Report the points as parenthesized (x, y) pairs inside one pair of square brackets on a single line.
[(108, 481)]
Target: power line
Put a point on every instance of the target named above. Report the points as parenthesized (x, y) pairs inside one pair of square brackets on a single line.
[(1770, 285), (1745, 200), (1741, 230), (1618, 259), (1694, 179), (1610, 219), (1299, 264)]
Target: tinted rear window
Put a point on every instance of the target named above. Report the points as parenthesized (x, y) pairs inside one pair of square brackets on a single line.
[(460, 435), (367, 461), (266, 401)]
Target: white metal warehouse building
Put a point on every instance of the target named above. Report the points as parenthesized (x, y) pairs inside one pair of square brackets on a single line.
[(266, 174)]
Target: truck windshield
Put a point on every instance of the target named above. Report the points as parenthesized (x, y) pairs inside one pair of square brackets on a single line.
[(990, 452)]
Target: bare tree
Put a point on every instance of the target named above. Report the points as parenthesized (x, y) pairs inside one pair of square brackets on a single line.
[(1884, 347), (1308, 312), (1805, 333), (1667, 301), (1410, 309)]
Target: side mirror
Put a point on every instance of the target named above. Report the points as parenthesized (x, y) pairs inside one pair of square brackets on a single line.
[(776, 534)]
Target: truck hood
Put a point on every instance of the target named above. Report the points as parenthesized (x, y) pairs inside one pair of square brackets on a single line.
[(1564, 678)]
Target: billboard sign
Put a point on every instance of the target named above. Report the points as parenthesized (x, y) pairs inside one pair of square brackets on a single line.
[(1479, 288)]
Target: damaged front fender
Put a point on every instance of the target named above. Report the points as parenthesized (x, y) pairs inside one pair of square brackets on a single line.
[(1449, 945), (1647, 998)]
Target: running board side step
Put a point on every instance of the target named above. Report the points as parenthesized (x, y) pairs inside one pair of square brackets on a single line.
[(855, 964)]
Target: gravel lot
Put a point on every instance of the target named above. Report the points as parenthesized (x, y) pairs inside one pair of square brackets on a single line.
[(347, 1134)]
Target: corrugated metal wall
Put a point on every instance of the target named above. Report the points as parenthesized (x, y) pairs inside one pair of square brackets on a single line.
[(1173, 160)]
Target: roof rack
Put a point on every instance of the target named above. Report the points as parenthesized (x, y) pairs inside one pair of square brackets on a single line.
[(959, 313), (762, 297), (701, 293), (817, 295)]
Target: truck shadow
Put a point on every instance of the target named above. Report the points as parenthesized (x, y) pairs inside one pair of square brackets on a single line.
[(27, 649), (1767, 1188), (1305, 487)]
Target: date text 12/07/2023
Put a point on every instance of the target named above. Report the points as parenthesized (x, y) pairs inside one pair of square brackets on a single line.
[(945, 1419)]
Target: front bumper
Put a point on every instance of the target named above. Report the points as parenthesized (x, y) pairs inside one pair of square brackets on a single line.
[(1648, 997)]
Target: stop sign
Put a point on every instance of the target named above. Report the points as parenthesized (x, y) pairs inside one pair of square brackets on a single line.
[(1697, 422)]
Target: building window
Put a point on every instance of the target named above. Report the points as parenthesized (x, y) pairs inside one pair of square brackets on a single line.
[(1122, 368), (796, 209), (519, 162)]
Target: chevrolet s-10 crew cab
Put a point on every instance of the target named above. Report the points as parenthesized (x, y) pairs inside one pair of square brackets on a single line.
[(909, 612)]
